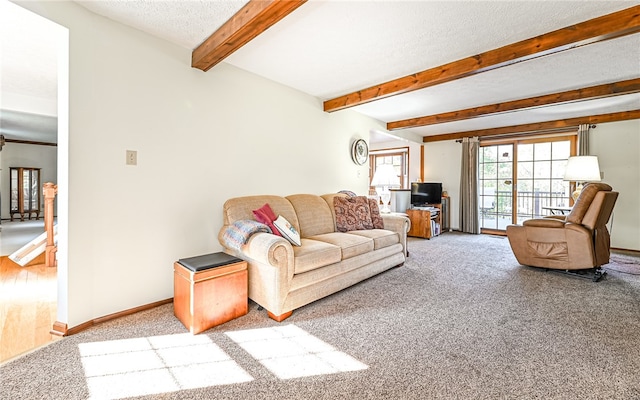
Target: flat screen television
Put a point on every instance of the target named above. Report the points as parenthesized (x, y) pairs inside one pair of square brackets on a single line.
[(423, 193)]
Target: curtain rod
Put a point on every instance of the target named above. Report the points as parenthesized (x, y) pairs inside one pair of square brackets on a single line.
[(555, 131), (7, 140)]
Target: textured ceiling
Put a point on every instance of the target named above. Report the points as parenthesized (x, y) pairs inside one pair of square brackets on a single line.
[(185, 23), (330, 48)]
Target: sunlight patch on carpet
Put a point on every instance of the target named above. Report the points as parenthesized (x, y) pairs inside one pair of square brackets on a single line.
[(117, 369), (290, 352)]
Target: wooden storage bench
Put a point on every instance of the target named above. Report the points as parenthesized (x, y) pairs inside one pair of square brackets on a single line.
[(209, 290)]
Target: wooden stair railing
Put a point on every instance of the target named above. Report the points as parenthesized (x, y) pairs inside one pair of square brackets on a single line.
[(50, 191)]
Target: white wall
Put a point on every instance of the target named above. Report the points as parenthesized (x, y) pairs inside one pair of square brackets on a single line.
[(26, 155), (617, 146), (201, 138), (442, 164)]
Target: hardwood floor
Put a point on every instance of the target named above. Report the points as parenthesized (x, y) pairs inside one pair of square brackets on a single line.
[(27, 306)]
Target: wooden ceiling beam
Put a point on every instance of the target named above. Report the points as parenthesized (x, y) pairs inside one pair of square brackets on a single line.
[(606, 27), (538, 126), (590, 93), (254, 18)]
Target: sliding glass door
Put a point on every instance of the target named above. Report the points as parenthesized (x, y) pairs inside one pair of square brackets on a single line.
[(540, 172), (522, 179), (496, 186)]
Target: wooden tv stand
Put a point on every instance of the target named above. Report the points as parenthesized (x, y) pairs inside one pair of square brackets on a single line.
[(421, 221)]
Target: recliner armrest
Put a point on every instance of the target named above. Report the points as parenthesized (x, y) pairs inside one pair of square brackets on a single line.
[(544, 223)]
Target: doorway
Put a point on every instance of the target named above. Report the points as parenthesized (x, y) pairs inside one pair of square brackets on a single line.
[(521, 179), (26, 32)]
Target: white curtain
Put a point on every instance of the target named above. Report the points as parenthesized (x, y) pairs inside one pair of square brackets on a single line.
[(469, 222), (583, 140)]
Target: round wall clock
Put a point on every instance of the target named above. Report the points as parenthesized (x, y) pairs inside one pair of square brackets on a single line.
[(360, 152)]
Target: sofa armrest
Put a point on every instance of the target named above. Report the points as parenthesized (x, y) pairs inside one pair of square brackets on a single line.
[(396, 223), (269, 249), (271, 265), (399, 224), (261, 246)]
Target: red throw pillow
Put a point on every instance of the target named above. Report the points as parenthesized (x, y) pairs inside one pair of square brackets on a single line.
[(376, 218), (266, 215), (352, 213)]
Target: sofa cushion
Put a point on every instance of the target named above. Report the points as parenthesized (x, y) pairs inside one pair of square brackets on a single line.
[(352, 213), (328, 198), (338, 270), (313, 213), (350, 245), (381, 237), (315, 254)]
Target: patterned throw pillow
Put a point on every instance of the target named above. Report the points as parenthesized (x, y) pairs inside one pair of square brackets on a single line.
[(376, 218), (266, 215), (352, 213)]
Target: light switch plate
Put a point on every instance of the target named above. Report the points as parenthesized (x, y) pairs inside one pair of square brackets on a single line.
[(132, 157)]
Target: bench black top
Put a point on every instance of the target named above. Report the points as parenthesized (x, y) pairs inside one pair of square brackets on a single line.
[(207, 261)]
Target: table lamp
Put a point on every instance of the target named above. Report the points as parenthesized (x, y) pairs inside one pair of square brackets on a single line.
[(385, 177), (582, 169)]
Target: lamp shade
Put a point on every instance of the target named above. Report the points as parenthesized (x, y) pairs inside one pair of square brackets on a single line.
[(385, 175), (582, 169)]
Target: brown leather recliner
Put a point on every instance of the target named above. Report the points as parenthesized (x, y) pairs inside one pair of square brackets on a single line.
[(578, 242)]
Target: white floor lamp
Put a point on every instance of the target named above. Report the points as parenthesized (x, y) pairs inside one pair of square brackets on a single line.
[(384, 178), (582, 169)]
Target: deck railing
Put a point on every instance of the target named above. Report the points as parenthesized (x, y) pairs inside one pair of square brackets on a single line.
[(528, 203)]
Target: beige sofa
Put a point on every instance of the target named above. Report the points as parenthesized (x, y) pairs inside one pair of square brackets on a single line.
[(283, 277)]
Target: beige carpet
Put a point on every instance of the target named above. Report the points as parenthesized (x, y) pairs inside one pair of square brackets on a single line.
[(461, 320)]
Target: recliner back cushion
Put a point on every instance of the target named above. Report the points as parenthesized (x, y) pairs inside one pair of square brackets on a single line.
[(584, 201), (314, 214), (600, 211)]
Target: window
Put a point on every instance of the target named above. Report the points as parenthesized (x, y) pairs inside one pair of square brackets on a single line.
[(398, 157)]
